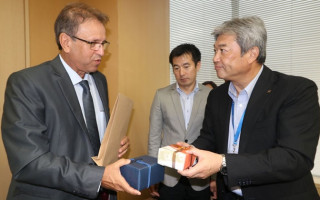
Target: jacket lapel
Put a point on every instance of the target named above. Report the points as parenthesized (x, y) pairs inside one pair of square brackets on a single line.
[(177, 106), (197, 101), (224, 118), (68, 91), (260, 95)]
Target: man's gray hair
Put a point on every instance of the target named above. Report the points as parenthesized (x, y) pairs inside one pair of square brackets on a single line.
[(249, 32)]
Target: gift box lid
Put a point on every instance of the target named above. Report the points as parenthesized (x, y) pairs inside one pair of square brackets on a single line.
[(143, 172)]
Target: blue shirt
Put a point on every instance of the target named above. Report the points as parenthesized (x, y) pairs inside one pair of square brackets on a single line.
[(186, 101)]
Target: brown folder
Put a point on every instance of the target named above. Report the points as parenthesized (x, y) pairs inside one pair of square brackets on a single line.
[(116, 129)]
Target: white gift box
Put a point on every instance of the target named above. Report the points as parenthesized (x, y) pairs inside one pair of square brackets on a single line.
[(175, 156)]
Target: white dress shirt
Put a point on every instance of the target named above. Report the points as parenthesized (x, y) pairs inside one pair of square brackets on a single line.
[(98, 107)]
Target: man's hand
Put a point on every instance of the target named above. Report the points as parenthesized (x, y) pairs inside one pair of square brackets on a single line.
[(213, 189), (124, 146), (154, 190), (112, 178), (208, 164)]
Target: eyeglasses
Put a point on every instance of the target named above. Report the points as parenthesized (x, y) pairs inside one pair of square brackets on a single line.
[(94, 45)]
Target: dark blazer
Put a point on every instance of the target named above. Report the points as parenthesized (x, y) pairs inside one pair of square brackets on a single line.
[(278, 139), (45, 135)]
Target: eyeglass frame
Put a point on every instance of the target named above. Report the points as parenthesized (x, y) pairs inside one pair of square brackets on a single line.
[(104, 44)]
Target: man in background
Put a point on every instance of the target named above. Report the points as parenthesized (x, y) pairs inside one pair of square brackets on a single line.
[(55, 116), (177, 114), (261, 127)]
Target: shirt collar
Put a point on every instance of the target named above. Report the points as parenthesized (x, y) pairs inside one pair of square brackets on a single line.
[(195, 89), (75, 78), (233, 92)]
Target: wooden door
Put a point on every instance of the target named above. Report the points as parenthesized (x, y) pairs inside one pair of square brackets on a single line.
[(12, 58)]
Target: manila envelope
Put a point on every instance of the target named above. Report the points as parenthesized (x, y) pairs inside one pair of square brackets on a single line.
[(116, 129)]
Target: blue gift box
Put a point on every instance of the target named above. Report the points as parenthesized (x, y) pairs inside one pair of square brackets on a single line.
[(143, 172)]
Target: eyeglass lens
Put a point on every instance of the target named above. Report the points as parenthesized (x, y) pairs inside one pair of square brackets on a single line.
[(96, 46)]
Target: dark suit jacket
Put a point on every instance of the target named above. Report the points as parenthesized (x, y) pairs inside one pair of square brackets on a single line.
[(45, 135), (278, 139)]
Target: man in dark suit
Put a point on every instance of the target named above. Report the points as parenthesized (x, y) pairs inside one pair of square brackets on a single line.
[(261, 127), (46, 130)]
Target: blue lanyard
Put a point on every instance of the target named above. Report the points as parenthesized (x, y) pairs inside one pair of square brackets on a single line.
[(237, 133)]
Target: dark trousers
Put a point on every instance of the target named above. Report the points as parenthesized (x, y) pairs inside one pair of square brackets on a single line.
[(230, 196), (182, 191), (105, 194)]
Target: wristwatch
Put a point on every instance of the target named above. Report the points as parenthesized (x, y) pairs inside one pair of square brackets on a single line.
[(223, 168)]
